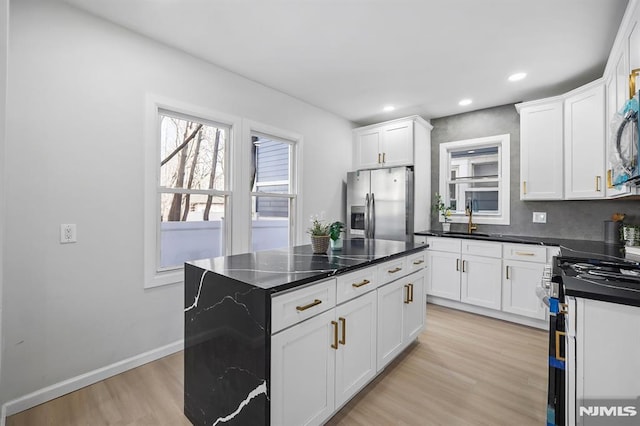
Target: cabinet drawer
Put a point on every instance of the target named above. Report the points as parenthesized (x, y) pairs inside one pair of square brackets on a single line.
[(356, 283), (451, 245), (482, 248), (298, 305), (525, 252), (392, 270), (416, 262)]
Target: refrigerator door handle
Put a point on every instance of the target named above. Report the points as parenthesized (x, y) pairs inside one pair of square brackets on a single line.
[(366, 215), (373, 216)]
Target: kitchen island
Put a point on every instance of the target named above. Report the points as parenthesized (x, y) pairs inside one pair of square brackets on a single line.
[(260, 318)]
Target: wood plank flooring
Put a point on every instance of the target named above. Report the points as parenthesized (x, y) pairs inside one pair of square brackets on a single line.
[(464, 370)]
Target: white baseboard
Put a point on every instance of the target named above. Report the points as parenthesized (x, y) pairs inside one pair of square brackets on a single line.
[(505, 316), (62, 388)]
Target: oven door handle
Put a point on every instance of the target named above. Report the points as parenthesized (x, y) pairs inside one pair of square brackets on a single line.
[(559, 334)]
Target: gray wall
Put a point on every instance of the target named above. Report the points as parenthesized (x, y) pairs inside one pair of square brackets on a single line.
[(565, 219)]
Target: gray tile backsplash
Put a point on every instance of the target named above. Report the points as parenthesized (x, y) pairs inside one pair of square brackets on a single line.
[(565, 219)]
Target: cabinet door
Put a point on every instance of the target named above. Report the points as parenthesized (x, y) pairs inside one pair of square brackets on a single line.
[(481, 282), (303, 372), (443, 272), (584, 144), (519, 289), (367, 149), (541, 152), (356, 356), (397, 144), (414, 308), (390, 321)]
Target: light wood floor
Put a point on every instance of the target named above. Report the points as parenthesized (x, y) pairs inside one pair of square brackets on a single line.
[(465, 370)]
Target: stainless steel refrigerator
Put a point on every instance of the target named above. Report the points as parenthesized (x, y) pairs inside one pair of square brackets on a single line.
[(380, 204)]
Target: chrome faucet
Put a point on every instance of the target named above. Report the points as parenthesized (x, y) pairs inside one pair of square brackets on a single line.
[(469, 212)]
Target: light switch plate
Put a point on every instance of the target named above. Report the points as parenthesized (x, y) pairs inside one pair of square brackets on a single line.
[(539, 217)]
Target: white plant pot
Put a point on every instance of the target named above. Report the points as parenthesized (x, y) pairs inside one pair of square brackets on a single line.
[(446, 226)]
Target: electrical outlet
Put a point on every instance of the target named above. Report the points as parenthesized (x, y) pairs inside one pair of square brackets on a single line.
[(68, 233), (539, 217)]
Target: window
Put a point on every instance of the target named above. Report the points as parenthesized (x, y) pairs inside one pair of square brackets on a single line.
[(474, 174), (272, 192), (193, 189)]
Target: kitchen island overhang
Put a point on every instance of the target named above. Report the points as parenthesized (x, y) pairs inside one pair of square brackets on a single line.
[(228, 322)]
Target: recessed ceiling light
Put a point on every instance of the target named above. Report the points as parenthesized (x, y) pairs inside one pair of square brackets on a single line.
[(517, 76), (388, 108), (465, 102)]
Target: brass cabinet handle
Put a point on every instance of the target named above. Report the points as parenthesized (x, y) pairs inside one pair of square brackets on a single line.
[(525, 253), (394, 270), (379, 159), (598, 178), (632, 82), (558, 334), (610, 179), (457, 264), (507, 271), (418, 262), (383, 155), (524, 187), (310, 305), (335, 335), (410, 292), (343, 321), (406, 295), (464, 264), (360, 284)]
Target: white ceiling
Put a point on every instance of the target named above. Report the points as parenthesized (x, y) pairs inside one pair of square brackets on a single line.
[(352, 57)]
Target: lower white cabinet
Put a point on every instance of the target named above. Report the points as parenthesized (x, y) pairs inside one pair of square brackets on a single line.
[(401, 316), (303, 372), (321, 362), (481, 281), (519, 288), (444, 274)]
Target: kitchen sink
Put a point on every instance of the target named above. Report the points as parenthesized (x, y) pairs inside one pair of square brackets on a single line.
[(465, 234)]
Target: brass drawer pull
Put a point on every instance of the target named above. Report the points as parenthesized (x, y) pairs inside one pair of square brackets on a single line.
[(598, 178), (334, 345), (360, 284), (464, 266), (457, 264), (525, 253), (418, 262), (343, 321), (406, 295), (524, 187), (394, 270), (507, 271), (410, 292), (310, 305), (379, 159), (558, 334), (383, 155)]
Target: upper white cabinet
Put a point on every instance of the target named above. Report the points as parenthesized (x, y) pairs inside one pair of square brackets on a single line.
[(387, 145), (541, 151), (390, 144), (584, 143)]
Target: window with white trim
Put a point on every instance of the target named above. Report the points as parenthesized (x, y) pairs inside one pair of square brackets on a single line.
[(192, 192), (273, 194), (474, 174)]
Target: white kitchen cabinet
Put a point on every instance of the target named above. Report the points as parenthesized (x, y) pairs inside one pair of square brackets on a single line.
[(368, 143), (401, 315), (541, 151), (519, 288), (443, 272), (385, 145), (481, 281), (606, 337), (356, 355), (584, 143), (303, 372)]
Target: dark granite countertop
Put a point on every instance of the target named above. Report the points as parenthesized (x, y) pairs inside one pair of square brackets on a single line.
[(604, 291), (278, 270), (576, 248)]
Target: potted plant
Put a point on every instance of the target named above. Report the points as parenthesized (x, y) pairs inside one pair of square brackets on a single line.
[(443, 210), (335, 229), (319, 232)]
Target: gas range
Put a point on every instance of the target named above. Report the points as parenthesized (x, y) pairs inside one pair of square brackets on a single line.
[(614, 274)]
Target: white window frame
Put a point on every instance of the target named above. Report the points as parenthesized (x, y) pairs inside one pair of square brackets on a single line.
[(503, 143), (295, 176), (155, 276)]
